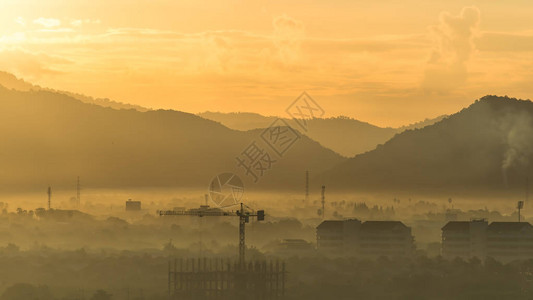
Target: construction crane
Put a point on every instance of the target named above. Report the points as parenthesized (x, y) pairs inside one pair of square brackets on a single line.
[(243, 214)]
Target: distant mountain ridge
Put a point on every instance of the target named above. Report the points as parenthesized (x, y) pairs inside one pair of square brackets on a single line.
[(50, 138), (488, 145), (10, 81), (344, 135)]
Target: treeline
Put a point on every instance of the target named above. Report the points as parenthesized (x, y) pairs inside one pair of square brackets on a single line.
[(416, 278), (73, 275)]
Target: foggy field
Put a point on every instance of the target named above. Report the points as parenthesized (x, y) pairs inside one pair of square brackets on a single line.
[(106, 247)]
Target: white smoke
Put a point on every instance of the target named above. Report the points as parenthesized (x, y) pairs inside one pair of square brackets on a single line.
[(518, 140)]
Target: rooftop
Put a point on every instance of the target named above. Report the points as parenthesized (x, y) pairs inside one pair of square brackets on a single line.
[(335, 224), (457, 226), (331, 225), (509, 226), (382, 225)]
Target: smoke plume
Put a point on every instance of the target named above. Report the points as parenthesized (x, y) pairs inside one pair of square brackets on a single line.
[(518, 141)]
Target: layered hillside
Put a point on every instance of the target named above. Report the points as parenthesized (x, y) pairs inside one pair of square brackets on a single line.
[(49, 138), (488, 145)]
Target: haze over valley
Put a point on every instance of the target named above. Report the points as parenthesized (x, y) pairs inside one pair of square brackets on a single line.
[(273, 150)]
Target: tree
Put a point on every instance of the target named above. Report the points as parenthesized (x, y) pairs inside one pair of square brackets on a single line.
[(101, 295), (25, 291)]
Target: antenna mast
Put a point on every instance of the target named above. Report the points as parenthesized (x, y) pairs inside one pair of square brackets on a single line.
[(527, 190), (323, 202), (49, 197), (306, 186), (78, 192), (519, 206)]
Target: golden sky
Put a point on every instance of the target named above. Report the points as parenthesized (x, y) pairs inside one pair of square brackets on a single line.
[(386, 62)]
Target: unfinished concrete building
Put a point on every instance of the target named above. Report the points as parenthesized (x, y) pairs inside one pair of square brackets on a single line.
[(193, 279)]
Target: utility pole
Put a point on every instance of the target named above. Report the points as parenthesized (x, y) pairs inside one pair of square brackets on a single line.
[(306, 186), (519, 206), (78, 192), (323, 202), (527, 190), (49, 197)]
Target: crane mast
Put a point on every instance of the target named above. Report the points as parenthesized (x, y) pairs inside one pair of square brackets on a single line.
[(244, 217)]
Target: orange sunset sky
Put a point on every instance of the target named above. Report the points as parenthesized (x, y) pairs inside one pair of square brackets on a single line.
[(389, 63)]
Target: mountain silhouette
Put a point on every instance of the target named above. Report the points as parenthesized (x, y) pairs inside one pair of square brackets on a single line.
[(10, 81), (344, 135), (487, 146), (49, 138)]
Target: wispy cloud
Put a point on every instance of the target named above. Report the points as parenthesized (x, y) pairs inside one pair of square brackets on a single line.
[(47, 22), (79, 22), (30, 65), (283, 53), (21, 21), (505, 41), (453, 47)]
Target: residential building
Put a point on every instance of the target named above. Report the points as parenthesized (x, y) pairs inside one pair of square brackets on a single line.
[(337, 236), (385, 238), (365, 239), (133, 205), (504, 241), (464, 239), (508, 241)]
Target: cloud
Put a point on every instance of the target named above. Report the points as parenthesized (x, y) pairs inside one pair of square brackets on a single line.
[(47, 22), (21, 21), (77, 23), (375, 44), (288, 36), (453, 46), (503, 41), (28, 64), (57, 30), (219, 52)]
